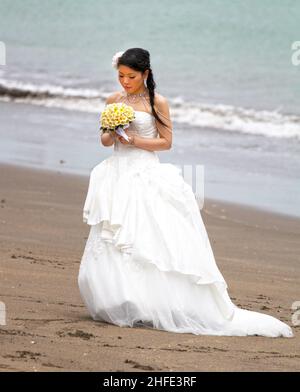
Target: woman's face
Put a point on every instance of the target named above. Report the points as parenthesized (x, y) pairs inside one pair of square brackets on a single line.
[(130, 79)]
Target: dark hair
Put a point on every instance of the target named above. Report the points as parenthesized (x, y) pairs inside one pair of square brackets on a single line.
[(139, 60)]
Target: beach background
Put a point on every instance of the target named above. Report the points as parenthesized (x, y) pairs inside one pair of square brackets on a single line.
[(234, 96)]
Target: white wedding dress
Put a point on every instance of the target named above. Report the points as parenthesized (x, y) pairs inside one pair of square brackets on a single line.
[(148, 260)]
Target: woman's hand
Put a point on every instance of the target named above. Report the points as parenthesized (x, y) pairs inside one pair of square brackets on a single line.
[(130, 135)]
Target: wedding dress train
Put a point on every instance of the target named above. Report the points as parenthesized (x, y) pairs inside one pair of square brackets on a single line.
[(148, 260)]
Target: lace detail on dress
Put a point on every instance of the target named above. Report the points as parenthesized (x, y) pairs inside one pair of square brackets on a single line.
[(131, 264), (94, 245)]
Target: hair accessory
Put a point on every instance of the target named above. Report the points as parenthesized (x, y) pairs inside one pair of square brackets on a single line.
[(115, 59)]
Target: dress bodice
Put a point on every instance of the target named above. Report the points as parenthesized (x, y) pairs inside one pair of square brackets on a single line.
[(144, 125)]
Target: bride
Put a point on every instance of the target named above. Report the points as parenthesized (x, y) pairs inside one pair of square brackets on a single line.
[(148, 260)]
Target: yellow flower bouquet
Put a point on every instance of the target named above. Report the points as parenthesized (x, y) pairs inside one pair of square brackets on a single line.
[(116, 117)]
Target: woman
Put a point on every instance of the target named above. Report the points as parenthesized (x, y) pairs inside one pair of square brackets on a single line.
[(148, 260)]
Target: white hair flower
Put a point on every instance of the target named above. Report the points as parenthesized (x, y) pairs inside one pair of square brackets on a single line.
[(115, 59)]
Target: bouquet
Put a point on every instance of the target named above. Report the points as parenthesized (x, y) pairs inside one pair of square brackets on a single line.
[(116, 117)]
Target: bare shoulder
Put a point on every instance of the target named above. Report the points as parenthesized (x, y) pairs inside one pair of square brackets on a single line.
[(114, 97), (160, 99), (161, 103)]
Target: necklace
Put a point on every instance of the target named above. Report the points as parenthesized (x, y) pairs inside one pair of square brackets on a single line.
[(137, 95), (133, 97)]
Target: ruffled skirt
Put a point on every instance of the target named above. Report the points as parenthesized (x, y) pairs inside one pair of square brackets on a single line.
[(148, 260)]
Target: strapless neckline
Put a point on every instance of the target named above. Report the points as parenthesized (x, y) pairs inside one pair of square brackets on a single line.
[(142, 111)]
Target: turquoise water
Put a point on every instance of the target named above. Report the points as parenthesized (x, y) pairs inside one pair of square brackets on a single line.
[(229, 52)]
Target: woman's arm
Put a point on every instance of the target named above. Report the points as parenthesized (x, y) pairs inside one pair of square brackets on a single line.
[(151, 144), (108, 138), (164, 142)]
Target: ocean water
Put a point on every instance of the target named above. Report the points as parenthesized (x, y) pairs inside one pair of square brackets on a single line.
[(224, 66)]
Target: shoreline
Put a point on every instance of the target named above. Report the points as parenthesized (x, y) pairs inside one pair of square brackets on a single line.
[(246, 169), (42, 240), (85, 176)]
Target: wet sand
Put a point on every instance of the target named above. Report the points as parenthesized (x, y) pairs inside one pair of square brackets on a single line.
[(48, 328)]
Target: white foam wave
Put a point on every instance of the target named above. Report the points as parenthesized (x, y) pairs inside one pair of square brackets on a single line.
[(216, 116)]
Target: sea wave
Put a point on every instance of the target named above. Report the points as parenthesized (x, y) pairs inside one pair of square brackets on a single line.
[(196, 114)]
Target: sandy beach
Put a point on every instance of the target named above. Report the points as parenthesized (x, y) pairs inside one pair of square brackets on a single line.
[(48, 328)]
